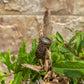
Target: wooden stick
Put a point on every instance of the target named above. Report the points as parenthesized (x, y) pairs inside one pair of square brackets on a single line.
[(33, 67)]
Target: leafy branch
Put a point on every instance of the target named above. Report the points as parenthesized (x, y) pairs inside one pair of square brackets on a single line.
[(67, 46)]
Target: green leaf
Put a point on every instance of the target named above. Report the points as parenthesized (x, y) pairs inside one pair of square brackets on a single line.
[(1, 77), (26, 73), (69, 29), (79, 42), (73, 73), (34, 76), (22, 49), (31, 58), (42, 73), (74, 37), (26, 76), (17, 78), (70, 69), (53, 45), (5, 58), (2, 82), (10, 82), (74, 81), (22, 55), (59, 37), (34, 45), (64, 50), (52, 36), (82, 44), (13, 58), (55, 57)]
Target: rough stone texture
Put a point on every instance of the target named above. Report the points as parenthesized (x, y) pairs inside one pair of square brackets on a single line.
[(79, 7), (66, 24), (19, 6), (15, 29), (37, 6)]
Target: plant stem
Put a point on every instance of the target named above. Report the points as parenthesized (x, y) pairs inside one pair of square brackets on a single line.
[(67, 46)]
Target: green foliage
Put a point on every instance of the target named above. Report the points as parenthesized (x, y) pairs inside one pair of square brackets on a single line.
[(70, 69), (59, 37), (20, 73), (17, 78), (65, 60), (22, 55), (67, 50), (66, 56), (1, 78), (13, 58), (5, 58)]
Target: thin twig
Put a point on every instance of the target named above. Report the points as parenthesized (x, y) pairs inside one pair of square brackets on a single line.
[(67, 46), (33, 67)]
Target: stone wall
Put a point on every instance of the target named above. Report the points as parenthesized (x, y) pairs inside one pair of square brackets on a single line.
[(22, 19)]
